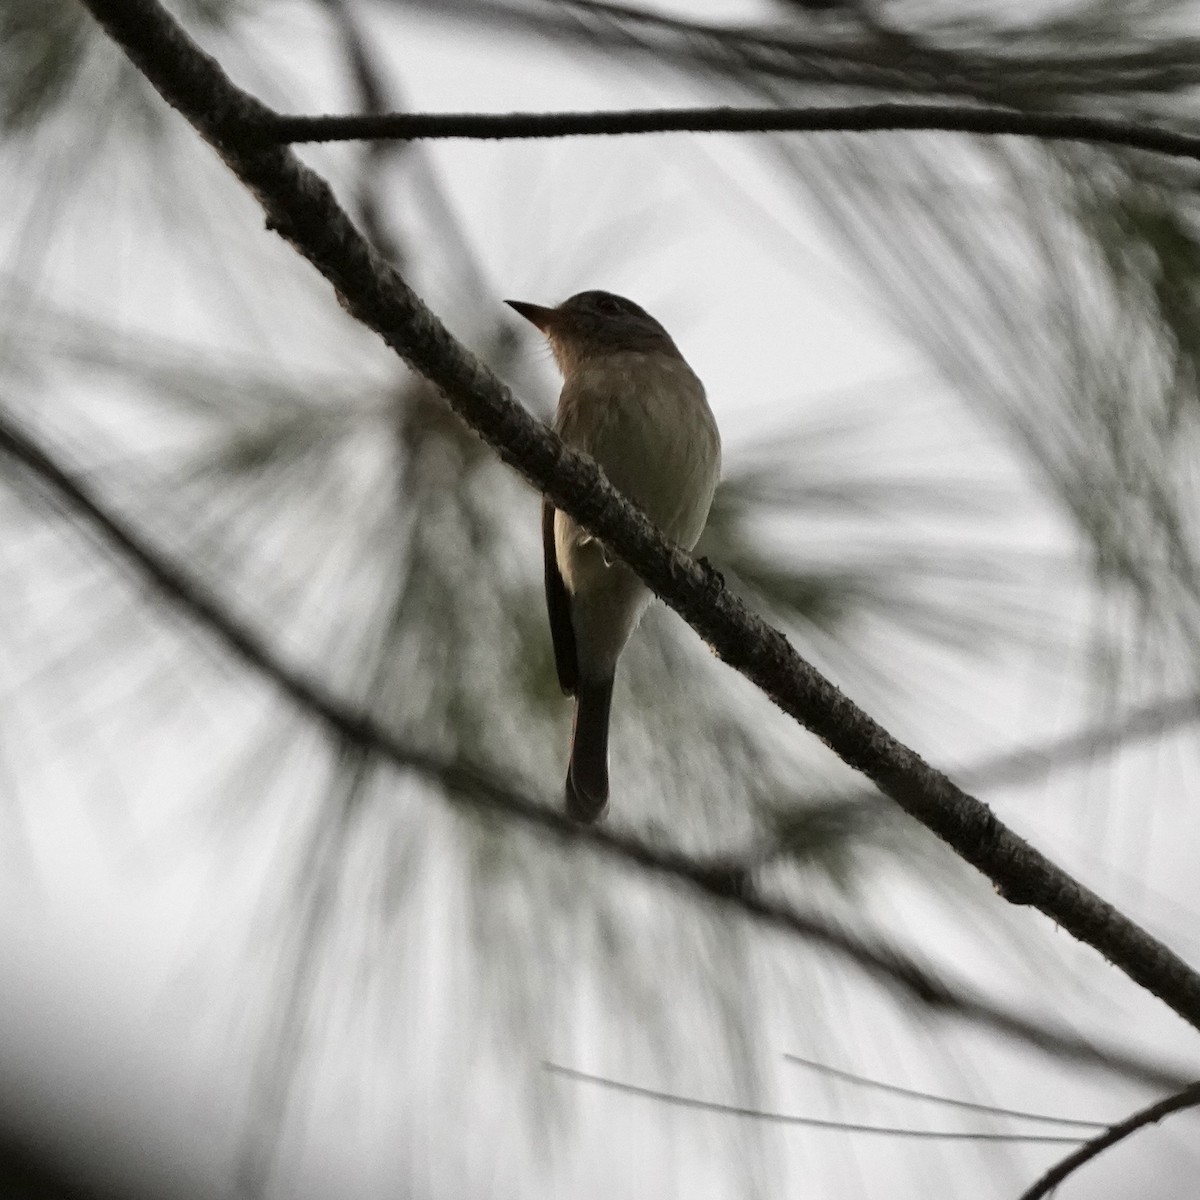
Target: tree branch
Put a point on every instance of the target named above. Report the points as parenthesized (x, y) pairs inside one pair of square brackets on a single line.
[(1188, 1098), (301, 207), (716, 881), (853, 118)]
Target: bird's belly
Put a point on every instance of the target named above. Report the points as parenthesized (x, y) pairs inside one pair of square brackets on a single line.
[(662, 452), (607, 598), (645, 420)]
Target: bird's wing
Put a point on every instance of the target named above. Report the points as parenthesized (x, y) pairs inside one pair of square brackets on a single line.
[(558, 607)]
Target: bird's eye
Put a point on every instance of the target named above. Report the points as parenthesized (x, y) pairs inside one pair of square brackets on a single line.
[(608, 304)]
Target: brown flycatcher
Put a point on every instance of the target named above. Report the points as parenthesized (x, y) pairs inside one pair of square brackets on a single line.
[(632, 403)]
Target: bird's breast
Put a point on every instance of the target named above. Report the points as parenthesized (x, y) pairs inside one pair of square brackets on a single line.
[(645, 419)]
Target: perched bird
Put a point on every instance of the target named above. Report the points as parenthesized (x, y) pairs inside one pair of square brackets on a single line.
[(632, 403)]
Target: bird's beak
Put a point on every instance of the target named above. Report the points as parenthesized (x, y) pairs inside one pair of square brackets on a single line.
[(535, 314)]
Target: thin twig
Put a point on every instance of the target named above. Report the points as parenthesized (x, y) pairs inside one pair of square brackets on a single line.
[(1189, 1097), (853, 118), (484, 791), (896, 1089), (777, 1118), (301, 207)]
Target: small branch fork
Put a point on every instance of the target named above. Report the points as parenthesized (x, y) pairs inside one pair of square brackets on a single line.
[(301, 207), (1189, 1097)]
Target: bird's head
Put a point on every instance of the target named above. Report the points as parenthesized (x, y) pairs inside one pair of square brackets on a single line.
[(595, 323)]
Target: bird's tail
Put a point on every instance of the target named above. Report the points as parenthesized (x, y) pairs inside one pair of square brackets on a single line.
[(587, 774)]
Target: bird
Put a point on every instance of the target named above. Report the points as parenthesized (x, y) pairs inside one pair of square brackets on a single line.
[(630, 400)]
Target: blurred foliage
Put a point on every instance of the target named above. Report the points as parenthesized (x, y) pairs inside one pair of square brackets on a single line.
[(326, 494), (43, 47), (54, 56)]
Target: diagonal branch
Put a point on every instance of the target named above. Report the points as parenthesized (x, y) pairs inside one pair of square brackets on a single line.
[(1189, 1097), (468, 785), (833, 118), (301, 207)]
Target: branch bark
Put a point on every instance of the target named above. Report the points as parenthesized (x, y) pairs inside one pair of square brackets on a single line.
[(301, 207)]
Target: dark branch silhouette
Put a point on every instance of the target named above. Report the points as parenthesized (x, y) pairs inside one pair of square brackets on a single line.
[(855, 118), (777, 1118), (301, 207), (1189, 1097), (896, 1089), (470, 785)]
